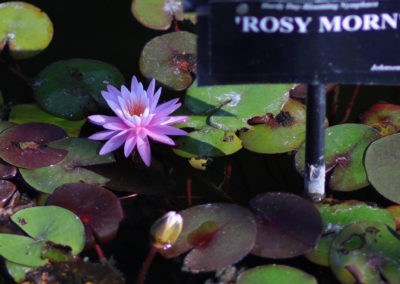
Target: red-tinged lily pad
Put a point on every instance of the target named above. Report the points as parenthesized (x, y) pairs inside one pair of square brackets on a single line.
[(158, 14), (366, 252), (385, 117), (170, 59), (280, 134), (345, 145), (25, 145), (72, 88), (7, 171), (81, 152), (287, 225), (382, 165), (218, 235), (338, 214), (98, 208), (395, 211), (299, 91), (209, 142), (234, 105), (23, 113), (275, 274), (25, 28)]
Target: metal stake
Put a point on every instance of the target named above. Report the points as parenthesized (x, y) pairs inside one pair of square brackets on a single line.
[(314, 175)]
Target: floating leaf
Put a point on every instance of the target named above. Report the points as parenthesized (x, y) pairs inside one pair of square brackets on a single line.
[(338, 214), (345, 145), (280, 134), (24, 113), (7, 190), (209, 142), (236, 104), (170, 59), (395, 211), (275, 274), (17, 271), (7, 171), (81, 152), (366, 252), (287, 225), (218, 235), (98, 208), (158, 14), (25, 28), (382, 165), (25, 145), (385, 117), (72, 88)]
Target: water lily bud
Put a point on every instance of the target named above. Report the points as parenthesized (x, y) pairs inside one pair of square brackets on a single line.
[(166, 230)]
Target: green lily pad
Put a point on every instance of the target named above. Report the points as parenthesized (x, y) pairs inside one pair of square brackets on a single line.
[(275, 274), (209, 142), (24, 113), (17, 271), (382, 165), (234, 105), (170, 59), (81, 152), (385, 117), (218, 235), (72, 88), (366, 252), (338, 214), (158, 14), (195, 121), (280, 134), (25, 28), (345, 145), (44, 224)]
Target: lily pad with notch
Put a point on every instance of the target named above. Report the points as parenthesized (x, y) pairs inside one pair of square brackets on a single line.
[(72, 88), (287, 225), (345, 145), (366, 252), (158, 14), (25, 145), (234, 105), (385, 117), (338, 214), (81, 152), (98, 208), (275, 274), (277, 134), (382, 165), (217, 236), (170, 59), (25, 28)]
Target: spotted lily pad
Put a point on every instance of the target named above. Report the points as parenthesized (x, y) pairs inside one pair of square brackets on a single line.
[(385, 117), (170, 59), (98, 208), (366, 252), (158, 14), (43, 224), (218, 235), (25, 28), (345, 145), (382, 165), (338, 214), (81, 152), (23, 113), (235, 105), (280, 134), (287, 225), (209, 142), (25, 145), (72, 88), (275, 274)]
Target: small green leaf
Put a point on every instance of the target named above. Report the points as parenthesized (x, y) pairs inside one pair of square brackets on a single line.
[(17, 271), (22, 250)]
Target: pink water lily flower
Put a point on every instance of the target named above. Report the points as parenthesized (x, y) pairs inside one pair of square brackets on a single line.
[(138, 117)]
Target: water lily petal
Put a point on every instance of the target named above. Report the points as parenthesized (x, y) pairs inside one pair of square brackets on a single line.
[(103, 135), (167, 130), (100, 119), (134, 84), (116, 125), (175, 119), (154, 102), (130, 144), (150, 89), (144, 150), (114, 143), (160, 137)]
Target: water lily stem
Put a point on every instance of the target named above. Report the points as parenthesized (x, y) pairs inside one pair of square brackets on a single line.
[(146, 265), (99, 252), (351, 103)]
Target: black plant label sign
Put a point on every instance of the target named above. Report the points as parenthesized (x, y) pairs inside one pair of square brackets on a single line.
[(276, 42)]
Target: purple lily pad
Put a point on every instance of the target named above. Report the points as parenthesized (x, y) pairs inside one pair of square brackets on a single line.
[(287, 225), (25, 145), (98, 208), (7, 171), (217, 234), (7, 190)]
